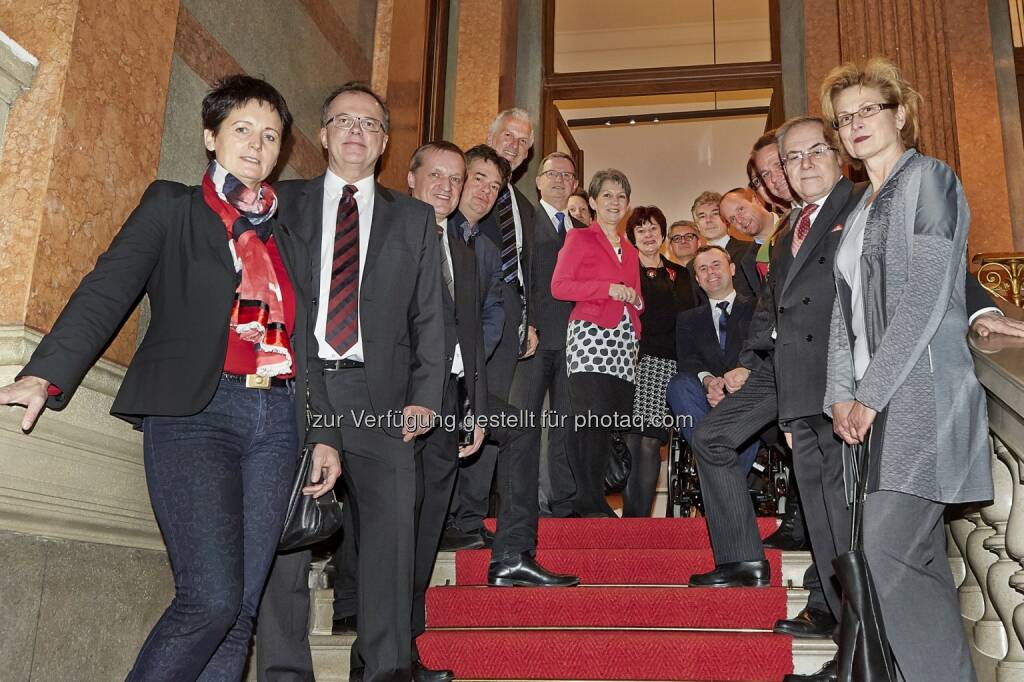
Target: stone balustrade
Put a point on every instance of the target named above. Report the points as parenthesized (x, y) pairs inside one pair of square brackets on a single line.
[(988, 541)]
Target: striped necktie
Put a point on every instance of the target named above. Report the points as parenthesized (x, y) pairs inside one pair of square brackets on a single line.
[(446, 271), (803, 226), (507, 225), (343, 307)]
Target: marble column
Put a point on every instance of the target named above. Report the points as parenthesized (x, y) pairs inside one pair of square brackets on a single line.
[(485, 67)]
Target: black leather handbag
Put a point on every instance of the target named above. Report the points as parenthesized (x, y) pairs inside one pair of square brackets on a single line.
[(308, 520), (620, 461), (864, 652)]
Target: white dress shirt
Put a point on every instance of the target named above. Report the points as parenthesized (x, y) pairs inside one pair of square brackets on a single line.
[(333, 189), (458, 368), (551, 211), (720, 242), (716, 315)]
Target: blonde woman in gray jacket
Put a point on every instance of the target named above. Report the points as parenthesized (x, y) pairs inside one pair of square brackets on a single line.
[(900, 373)]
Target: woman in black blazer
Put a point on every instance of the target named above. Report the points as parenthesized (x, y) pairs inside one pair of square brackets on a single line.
[(217, 383)]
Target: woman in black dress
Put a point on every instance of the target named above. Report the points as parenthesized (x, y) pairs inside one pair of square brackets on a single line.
[(667, 289)]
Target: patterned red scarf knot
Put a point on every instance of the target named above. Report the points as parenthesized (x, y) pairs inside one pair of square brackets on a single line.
[(258, 313)]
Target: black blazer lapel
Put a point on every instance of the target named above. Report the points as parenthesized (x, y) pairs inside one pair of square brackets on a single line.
[(823, 224), (311, 217), (210, 231)]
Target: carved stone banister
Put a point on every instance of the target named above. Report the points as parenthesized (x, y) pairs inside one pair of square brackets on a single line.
[(994, 549)]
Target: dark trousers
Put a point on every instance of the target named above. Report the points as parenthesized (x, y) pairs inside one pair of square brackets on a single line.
[(723, 483), (536, 377), (596, 398), (476, 474), (689, 402), (517, 482), (219, 483), (818, 465), (905, 546), (282, 629), (437, 462)]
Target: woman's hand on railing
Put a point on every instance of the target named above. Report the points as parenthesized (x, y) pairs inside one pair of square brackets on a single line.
[(30, 393)]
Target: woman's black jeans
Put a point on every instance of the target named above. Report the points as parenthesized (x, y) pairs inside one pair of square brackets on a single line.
[(219, 482)]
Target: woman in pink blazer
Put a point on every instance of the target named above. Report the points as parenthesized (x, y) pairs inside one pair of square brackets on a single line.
[(599, 270)]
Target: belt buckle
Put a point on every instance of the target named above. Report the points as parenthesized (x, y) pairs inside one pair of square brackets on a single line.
[(257, 381)]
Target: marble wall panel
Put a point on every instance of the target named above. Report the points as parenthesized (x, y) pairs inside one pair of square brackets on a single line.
[(45, 31), (478, 73)]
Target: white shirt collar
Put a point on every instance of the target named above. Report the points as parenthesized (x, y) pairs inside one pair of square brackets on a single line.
[(333, 184), (551, 211), (721, 241), (730, 298)]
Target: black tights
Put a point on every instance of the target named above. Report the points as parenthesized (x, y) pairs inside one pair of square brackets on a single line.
[(638, 496)]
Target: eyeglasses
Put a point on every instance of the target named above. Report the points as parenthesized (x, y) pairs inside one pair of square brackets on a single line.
[(755, 183), (866, 111), (555, 175), (346, 121), (689, 237), (815, 153)]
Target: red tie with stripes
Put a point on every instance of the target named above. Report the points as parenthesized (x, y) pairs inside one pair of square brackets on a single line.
[(343, 307)]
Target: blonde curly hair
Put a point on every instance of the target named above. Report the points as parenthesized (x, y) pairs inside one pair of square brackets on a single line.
[(882, 75)]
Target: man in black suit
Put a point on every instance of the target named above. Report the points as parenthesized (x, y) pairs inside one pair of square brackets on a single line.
[(543, 375), (708, 343), (509, 227), (381, 336), (706, 212), (742, 210), (437, 172)]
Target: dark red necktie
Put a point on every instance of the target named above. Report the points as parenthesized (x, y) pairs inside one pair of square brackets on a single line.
[(343, 306), (803, 226)]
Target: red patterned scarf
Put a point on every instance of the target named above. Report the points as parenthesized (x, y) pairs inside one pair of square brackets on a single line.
[(258, 313)]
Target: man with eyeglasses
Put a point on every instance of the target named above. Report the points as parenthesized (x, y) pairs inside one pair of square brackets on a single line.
[(509, 226), (544, 375), (379, 324), (683, 241), (785, 355), (815, 619)]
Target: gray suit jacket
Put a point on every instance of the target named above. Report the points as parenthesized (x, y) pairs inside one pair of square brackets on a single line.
[(921, 374)]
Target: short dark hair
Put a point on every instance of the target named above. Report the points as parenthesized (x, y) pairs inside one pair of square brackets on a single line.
[(645, 214), (688, 224), (712, 247), (557, 155), (768, 139), (436, 145), (237, 90), (486, 153), (608, 175), (355, 86)]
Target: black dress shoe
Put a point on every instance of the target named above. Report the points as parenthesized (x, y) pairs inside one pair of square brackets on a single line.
[(787, 537), (421, 673), (346, 625), (454, 539), (526, 572), (734, 574), (487, 536), (828, 673), (809, 623)]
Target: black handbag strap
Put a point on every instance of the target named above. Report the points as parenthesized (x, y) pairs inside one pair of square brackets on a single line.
[(861, 463)]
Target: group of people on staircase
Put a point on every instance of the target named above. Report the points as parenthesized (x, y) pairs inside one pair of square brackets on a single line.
[(411, 339)]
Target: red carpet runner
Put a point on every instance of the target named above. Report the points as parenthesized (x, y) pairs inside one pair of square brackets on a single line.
[(631, 619)]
